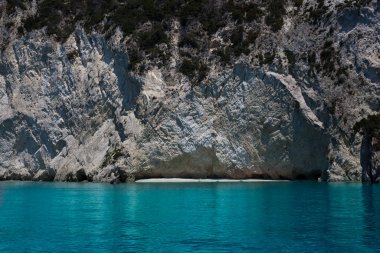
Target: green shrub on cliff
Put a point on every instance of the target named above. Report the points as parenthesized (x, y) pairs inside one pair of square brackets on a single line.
[(298, 3), (13, 4), (276, 11), (194, 69), (369, 125), (147, 25)]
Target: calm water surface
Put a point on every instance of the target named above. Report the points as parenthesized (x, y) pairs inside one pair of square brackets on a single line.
[(194, 217)]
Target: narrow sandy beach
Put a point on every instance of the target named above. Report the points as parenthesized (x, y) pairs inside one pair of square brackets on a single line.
[(190, 180)]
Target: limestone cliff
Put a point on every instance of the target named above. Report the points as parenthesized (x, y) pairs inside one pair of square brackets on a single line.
[(272, 92)]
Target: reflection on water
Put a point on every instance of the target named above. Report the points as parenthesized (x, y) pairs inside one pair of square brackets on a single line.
[(1, 194), (216, 217), (371, 216)]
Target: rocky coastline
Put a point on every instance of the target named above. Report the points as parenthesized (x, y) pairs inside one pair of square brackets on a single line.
[(283, 107)]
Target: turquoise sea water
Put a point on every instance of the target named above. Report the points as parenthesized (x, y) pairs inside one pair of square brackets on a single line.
[(193, 217)]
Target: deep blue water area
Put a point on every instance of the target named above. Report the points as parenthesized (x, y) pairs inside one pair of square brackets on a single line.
[(190, 217)]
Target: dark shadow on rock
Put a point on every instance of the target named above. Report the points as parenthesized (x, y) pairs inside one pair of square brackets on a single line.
[(308, 151), (369, 160)]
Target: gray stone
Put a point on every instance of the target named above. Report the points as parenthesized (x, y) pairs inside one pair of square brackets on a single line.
[(88, 118)]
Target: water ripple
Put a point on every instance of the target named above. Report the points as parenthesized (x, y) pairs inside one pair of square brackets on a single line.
[(264, 217)]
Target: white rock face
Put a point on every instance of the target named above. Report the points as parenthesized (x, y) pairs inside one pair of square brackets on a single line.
[(245, 125), (61, 104), (73, 111)]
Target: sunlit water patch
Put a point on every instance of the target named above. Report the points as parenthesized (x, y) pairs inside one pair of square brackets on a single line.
[(189, 217)]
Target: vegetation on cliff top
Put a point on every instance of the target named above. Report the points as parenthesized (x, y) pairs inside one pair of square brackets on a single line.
[(149, 24)]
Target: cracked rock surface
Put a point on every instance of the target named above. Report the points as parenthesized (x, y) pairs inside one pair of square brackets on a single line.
[(74, 111)]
